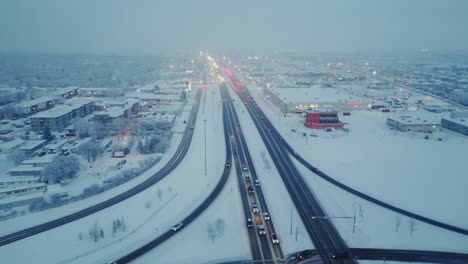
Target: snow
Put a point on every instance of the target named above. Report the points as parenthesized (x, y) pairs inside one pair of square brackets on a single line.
[(403, 169)]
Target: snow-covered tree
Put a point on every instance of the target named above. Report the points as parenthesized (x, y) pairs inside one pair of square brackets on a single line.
[(211, 232), (61, 168)]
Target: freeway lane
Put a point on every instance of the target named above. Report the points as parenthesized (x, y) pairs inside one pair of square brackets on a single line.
[(247, 160), (173, 162)]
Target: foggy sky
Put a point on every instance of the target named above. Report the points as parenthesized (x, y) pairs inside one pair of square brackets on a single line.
[(145, 26)]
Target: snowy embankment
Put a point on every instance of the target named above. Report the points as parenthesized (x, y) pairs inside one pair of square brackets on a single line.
[(145, 214)]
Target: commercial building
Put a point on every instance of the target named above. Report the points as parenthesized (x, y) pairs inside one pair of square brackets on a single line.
[(418, 122), (321, 119), (459, 125)]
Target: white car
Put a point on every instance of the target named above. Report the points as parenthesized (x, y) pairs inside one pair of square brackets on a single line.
[(274, 238), (261, 230), (266, 216), (244, 167), (176, 227), (255, 208)]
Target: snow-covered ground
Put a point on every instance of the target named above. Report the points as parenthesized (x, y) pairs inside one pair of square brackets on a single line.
[(403, 169), (182, 191)]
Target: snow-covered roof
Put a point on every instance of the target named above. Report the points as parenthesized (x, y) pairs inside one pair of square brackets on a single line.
[(313, 94), (30, 103), (10, 179), (30, 144), (42, 160), (22, 187), (460, 120), (26, 168), (418, 118), (55, 112), (11, 144)]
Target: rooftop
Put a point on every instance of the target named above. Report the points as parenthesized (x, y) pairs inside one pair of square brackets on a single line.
[(418, 118)]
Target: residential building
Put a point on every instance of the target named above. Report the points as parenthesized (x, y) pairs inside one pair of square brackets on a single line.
[(30, 107)]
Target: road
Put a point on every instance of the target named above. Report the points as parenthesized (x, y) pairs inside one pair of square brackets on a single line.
[(166, 170), (245, 168), (323, 234)]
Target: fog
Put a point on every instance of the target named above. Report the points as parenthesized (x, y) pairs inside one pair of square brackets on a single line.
[(144, 26)]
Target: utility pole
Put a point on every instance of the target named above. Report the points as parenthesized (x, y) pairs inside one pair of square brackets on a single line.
[(291, 219), (204, 131)]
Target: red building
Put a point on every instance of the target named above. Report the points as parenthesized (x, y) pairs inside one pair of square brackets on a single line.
[(323, 119)]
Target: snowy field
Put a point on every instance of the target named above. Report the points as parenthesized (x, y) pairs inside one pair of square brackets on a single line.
[(403, 169), (145, 214)]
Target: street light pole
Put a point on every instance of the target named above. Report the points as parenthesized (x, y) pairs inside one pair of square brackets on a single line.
[(204, 131)]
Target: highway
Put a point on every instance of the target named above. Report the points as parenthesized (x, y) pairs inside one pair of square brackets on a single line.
[(166, 170), (323, 234), (245, 168)]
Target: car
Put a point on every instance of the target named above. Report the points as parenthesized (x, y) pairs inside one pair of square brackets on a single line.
[(268, 130), (228, 164), (266, 215), (274, 238), (234, 151), (244, 167), (304, 254), (340, 255), (296, 154), (237, 124), (255, 208), (177, 226), (261, 230), (257, 183), (281, 138), (250, 189), (247, 178), (249, 222)]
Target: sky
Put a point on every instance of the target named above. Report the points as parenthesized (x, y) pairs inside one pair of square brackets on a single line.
[(156, 26)]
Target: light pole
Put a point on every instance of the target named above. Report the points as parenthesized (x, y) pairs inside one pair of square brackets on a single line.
[(204, 132)]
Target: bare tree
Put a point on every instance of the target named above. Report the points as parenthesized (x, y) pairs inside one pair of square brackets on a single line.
[(159, 193), (397, 223), (80, 236), (94, 232), (211, 232), (148, 204), (170, 188), (361, 211), (220, 225), (412, 226)]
